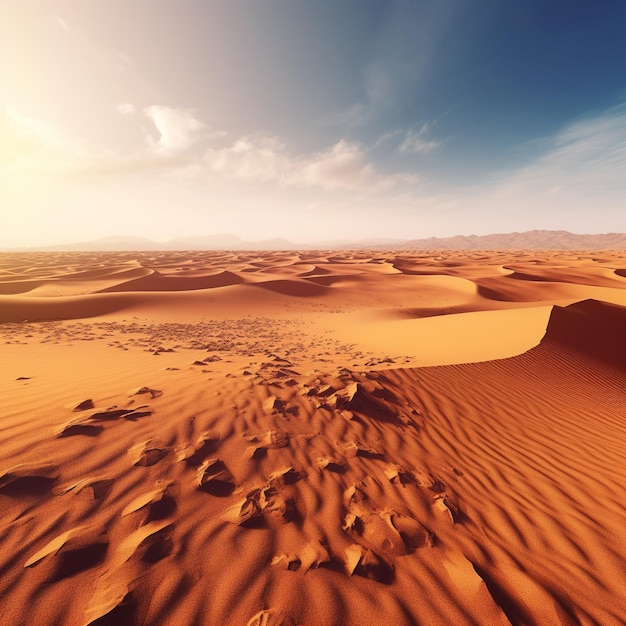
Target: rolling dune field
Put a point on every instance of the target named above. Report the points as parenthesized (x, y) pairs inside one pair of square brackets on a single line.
[(313, 438)]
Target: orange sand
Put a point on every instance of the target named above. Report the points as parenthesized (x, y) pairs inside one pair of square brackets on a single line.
[(313, 438)]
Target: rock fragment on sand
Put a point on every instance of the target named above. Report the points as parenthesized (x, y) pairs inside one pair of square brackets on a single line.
[(136, 413), (110, 414), (275, 506), (273, 405), (270, 440), (270, 502), (285, 476), (358, 448), (386, 530), (331, 464), (287, 561), (153, 393), (147, 453), (195, 453), (365, 562), (82, 427), (245, 512), (444, 506), (399, 475), (215, 478), (354, 554), (314, 555), (84, 405)]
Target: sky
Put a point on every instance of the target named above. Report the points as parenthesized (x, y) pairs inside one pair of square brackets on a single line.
[(312, 120)]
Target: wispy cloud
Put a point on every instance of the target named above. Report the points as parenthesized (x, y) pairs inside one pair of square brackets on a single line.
[(25, 126), (63, 24), (577, 178), (28, 142), (404, 53), (587, 157), (418, 141)]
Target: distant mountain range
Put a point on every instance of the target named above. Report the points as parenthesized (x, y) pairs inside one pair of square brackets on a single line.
[(529, 240)]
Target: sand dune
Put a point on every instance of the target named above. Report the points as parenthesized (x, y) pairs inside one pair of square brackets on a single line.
[(313, 438)]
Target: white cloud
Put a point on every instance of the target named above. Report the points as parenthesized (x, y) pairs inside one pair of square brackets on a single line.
[(264, 158), (178, 128), (125, 108), (257, 157), (344, 166), (418, 141), (25, 126)]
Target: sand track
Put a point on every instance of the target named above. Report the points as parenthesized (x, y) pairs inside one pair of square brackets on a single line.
[(277, 453)]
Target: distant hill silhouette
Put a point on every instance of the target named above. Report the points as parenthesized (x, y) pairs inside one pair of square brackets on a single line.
[(529, 240)]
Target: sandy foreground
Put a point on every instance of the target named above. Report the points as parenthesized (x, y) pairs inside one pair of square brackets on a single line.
[(313, 438)]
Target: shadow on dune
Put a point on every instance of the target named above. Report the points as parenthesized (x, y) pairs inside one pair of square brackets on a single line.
[(594, 328), (297, 288), (158, 282), (19, 286), (63, 308)]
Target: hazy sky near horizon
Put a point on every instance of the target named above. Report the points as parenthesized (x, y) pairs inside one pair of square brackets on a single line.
[(310, 119)]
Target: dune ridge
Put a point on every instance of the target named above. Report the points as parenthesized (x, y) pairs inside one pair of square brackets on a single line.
[(337, 438)]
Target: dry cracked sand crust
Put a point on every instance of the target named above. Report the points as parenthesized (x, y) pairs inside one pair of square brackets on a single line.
[(313, 438)]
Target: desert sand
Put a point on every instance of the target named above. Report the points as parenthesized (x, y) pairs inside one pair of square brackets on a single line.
[(313, 438)]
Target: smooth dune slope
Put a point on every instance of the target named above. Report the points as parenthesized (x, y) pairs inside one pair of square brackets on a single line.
[(273, 450)]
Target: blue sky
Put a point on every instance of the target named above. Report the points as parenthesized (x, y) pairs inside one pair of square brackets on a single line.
[(311, 120)]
